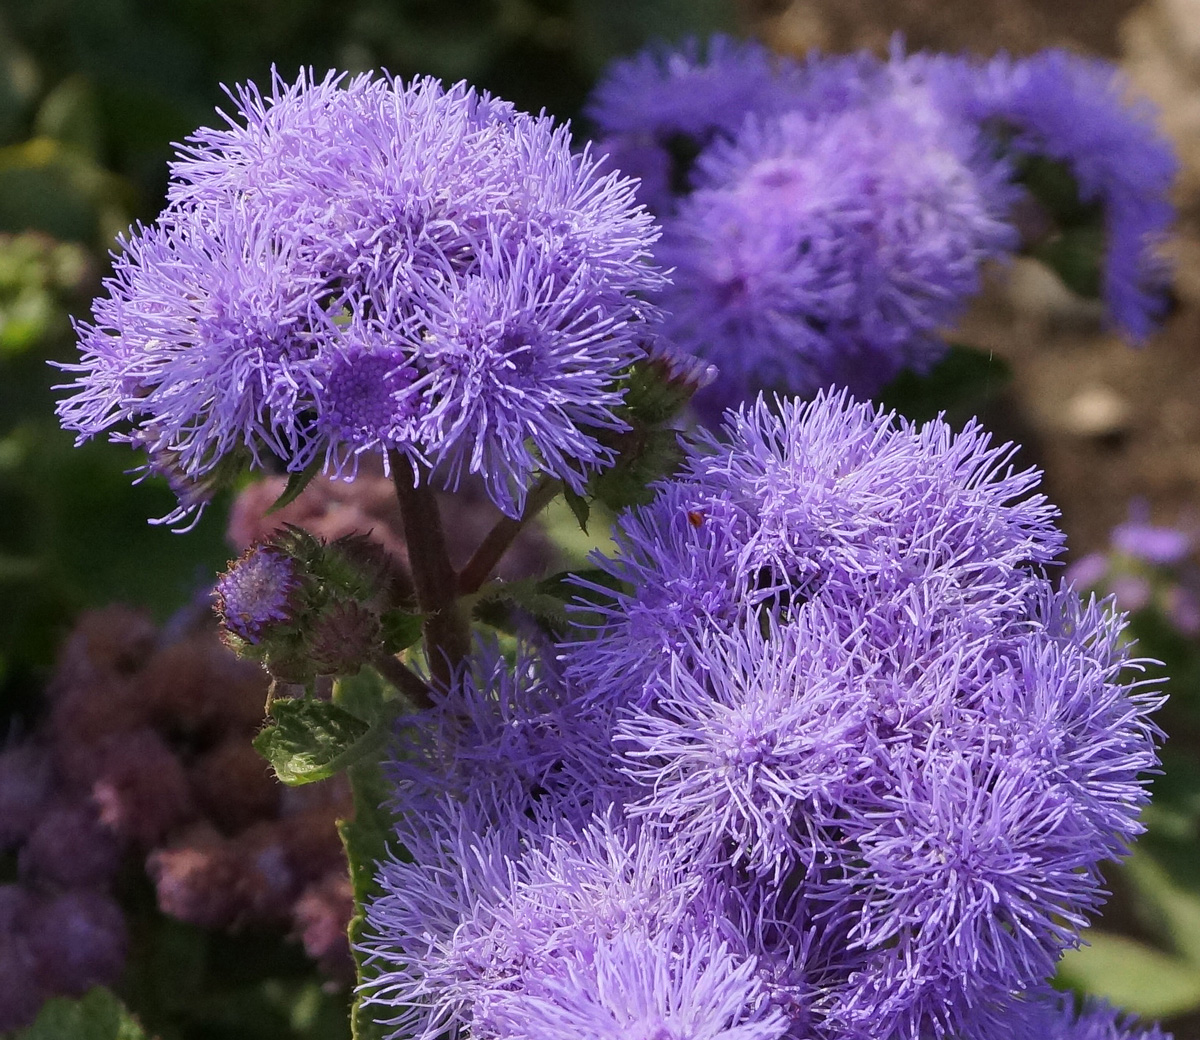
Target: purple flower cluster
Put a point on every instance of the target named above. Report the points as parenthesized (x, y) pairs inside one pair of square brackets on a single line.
[(1076, 111), (364, 266), (826, 220), (839, 761)]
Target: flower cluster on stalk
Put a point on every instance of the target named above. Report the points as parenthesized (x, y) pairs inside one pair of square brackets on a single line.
[(847, 769), (828, 220)]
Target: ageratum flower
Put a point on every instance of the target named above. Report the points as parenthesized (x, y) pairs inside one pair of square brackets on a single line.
[(1076, 111), (657, 110), (505, 729), (626, 986), (815, 507), (499, 918), (831, 248), (863, 704), (364, 266)]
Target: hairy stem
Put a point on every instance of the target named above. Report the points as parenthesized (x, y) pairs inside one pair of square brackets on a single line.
[(500, 537), (447, 637)]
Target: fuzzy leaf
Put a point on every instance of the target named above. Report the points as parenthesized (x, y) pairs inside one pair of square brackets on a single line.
[(365, 840), (311, 740)]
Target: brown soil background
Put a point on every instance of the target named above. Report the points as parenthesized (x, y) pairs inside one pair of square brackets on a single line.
[(1107, 422)]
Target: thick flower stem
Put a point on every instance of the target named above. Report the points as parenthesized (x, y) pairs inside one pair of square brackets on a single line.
[(404, 679), (447, 636), (500, 537)]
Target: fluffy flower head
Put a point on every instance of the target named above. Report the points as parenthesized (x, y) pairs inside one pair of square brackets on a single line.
[(362, 265)]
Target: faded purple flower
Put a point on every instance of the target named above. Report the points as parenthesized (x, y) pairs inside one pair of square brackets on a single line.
[(832, 248), (361, 265), (1076, 110), (657, 110), (1151, 543)]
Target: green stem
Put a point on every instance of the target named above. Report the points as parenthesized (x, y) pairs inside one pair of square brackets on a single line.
[(501, 536), (403, 678), (447, 635)]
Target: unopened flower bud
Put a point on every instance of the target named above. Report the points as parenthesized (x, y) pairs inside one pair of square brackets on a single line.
[(343, 638), (258, 593)]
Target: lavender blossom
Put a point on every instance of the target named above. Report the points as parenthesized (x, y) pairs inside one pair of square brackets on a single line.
[(803, 512), (490, 901), (832, 248), (866, 692), (633, 986), (657, 110), (504, 730), (354, 267), (1076, 111)]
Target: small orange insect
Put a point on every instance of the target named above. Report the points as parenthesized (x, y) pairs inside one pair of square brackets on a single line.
[(695, 517)]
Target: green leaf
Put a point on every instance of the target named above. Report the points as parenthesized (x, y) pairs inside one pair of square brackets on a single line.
[(1077, 257), (365, 838), (98, 1015), (1053, 184), (579, 507), (963, 379), (530, 597), (311, 740), (1176, 908), (400, 629), (1132, 975), (646, 455), (296, 484)]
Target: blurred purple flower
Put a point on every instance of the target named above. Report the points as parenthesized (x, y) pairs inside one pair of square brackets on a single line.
[(831, 248), (1077, 111)]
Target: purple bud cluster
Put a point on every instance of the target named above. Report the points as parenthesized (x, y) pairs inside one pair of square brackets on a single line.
[(145, 757), (825, 221), (366, 267), (1147, 567), (839, 760)]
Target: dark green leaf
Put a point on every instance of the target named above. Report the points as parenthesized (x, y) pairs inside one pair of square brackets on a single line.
[(579, 507), (502, 603), (365, 838), (98, 1015), (647, 456), (311, 740), (400, 629), (961, 381), (296, 484), (1077, 257)]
